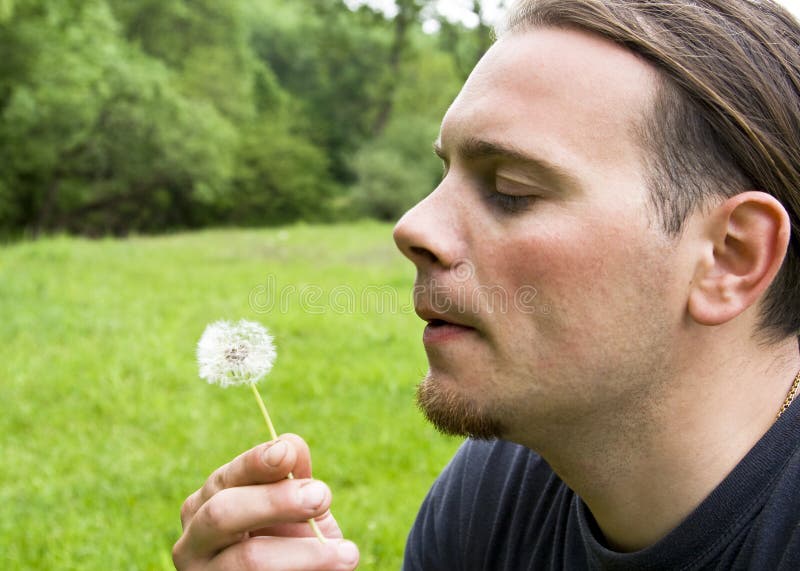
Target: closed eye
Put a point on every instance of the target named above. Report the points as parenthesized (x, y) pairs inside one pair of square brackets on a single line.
[(508, 203), (509, 195)]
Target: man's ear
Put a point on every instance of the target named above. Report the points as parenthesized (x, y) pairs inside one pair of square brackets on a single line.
[(748, 235)]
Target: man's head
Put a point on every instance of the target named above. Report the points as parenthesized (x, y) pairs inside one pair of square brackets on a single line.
[(568, 181), (727, 113)]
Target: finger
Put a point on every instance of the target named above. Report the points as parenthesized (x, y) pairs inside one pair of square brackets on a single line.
[(287, 554), (268, 462), (228, 516), (327, 524), (302, 463)]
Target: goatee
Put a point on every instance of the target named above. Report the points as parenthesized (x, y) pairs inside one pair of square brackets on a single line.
[(453, 414)]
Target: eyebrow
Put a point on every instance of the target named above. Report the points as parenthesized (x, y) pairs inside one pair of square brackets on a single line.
[(473, 149)]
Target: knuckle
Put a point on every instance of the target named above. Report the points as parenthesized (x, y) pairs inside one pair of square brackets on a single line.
[(218, 480), (216, 513), (178, 556), (187, 509)]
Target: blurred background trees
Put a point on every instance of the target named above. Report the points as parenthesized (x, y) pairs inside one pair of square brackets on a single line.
[(121, 116)]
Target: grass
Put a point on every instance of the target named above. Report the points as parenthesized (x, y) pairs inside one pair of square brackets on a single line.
[(105, 426)]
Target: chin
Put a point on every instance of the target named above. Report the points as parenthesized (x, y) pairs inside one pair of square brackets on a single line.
[(454, 413)]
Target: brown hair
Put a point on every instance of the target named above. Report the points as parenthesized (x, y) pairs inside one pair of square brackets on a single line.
[(727, 114)]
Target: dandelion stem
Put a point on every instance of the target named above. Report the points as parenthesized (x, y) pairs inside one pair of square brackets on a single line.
[(264, 412), (274, 435)]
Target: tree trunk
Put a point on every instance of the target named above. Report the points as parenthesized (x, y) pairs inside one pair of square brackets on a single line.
[(406, 15), (48, 206)]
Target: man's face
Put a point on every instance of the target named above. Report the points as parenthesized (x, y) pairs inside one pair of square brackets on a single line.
[(544, 205)]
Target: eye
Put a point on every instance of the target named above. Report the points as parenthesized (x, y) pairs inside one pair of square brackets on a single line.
[(508, 203), (507, 196)]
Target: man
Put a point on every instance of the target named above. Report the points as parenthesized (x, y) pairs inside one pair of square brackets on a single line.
[(638, 164)]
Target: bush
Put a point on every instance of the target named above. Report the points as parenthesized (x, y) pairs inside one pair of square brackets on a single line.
[(280, 177), (396, 170)]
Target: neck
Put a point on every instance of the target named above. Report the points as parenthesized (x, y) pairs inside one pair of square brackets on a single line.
[(642, 472)]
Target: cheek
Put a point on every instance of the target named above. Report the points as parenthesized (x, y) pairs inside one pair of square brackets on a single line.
[(562, 267), (589, 282)]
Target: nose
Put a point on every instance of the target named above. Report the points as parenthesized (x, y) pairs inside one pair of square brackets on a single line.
[(426, 234)]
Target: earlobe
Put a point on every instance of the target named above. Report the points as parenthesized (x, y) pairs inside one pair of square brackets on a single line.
[(748, 235)]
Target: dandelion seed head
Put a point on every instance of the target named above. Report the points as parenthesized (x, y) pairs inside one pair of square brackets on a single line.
[(231, 353)]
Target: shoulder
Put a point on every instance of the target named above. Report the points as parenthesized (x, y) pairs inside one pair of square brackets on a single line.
[(467, 512), (772, 540)]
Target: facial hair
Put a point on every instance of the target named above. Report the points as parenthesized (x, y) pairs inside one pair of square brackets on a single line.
[(453, 414)]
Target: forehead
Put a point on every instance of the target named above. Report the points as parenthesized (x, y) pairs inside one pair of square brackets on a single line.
[(569, 97)]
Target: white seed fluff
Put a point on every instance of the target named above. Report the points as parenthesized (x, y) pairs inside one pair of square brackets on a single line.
[(235, 353)]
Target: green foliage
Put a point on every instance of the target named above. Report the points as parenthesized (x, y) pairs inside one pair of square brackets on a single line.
[(98, 139), (279, 176), (105, 427), (204, 41), (329, 60), (120, 116), (465, 46), (6, 10), (398, 168)]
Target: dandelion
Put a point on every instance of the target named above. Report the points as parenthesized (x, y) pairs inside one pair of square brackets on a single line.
[(235, 353), (240, 354)]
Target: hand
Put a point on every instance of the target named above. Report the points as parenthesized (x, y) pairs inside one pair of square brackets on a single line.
[(249, 516)]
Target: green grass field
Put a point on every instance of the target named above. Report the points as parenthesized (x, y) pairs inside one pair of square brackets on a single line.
[(105, 426)]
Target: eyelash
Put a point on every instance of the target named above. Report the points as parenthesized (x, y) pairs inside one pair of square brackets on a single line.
[(507, 203)]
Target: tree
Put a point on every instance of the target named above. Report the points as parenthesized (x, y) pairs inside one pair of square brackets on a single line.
[(408, 12), (467, 45), (120, 116), (398, 167), (205, 42), (94, 135), (330, 60), (279, 177)]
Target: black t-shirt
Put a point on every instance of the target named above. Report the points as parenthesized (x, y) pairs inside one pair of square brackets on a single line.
[(498, 506)]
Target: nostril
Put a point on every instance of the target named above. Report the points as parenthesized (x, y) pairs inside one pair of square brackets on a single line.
[(423, 253)]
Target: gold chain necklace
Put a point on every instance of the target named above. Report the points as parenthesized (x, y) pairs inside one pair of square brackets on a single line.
[(790, 395)]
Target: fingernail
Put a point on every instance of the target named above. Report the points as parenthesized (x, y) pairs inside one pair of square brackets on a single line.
[(275, 454), (312, 495), (348, 552)]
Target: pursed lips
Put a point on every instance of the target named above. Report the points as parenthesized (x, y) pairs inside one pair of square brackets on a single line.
[(442, 326), (453, 316)]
